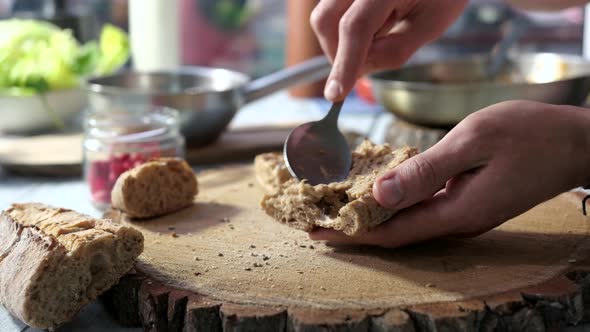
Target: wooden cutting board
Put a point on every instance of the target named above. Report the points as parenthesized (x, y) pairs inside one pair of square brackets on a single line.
[(222, 264)]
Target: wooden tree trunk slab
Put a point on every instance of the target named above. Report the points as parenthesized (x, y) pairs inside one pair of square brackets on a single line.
[(223, 265)]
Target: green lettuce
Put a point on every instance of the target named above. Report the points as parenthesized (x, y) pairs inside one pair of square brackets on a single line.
[(36, 56)]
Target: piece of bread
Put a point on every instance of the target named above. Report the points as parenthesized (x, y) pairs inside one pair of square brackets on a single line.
[(54, 261), (155, 188), (347, 206), (271, 171)]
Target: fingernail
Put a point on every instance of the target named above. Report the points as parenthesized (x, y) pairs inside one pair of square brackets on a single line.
[(333, 90), (390, 192)]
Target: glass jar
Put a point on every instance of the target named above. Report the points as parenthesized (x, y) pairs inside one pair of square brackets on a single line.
[(118, 140)]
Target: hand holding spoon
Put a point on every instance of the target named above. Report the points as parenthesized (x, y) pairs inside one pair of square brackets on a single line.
[(317, 151)]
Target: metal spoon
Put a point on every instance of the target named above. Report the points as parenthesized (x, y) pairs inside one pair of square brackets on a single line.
[(317, 151)]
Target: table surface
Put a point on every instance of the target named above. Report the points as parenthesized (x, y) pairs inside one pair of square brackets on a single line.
[(72, 193)]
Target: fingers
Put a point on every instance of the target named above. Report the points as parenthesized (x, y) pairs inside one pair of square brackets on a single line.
[(356, 31), (324, 20), (393, 50), (419, 177), (419, 223), (449, 212), (426, 21)]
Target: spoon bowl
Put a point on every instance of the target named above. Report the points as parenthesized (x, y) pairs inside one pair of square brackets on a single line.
[(318, 152)]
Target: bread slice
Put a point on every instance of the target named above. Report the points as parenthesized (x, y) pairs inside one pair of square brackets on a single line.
[(347, 206), (54, 261), (271, 171), (155, 188)]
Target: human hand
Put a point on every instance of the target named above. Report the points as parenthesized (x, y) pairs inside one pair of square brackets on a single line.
[(368, 35), (496, 164)]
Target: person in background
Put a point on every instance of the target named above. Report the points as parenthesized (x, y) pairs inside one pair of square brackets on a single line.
[(496, 164)]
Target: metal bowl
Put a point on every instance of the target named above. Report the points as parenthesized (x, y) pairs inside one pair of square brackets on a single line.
[(442, 94), (206, 98)]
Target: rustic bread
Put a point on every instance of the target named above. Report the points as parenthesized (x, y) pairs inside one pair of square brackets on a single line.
[(54, 261), (155, 188), (347, 206), (271, 171)]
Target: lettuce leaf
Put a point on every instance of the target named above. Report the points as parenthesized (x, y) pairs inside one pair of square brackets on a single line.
[(37, 56), (114, 50)]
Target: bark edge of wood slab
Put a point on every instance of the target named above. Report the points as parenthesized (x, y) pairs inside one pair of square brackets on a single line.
[(196, 273), (138, 301)]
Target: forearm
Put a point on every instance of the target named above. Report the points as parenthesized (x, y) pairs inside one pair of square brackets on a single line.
[(548, 5)]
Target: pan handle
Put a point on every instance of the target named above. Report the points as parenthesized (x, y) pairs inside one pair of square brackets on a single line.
[(308, 71)]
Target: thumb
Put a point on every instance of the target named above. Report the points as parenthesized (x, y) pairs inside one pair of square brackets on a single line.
[(420, 177)]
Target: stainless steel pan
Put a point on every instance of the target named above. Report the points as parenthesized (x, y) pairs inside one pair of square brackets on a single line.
[(207, 98), (441, 94)]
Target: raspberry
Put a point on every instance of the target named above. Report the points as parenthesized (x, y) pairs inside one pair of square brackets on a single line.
[(102, 175)]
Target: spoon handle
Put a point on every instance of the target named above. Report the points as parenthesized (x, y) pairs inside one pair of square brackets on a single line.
[(333, 114)]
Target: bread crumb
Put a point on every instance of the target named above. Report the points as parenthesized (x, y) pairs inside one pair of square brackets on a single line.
[(220, 254), (196, 258), (323, 288), (252, 246), (174, 234), (300, 287), (429, 285)]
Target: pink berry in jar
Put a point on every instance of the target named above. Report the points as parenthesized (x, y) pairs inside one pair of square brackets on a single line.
[(124, 157), (102, 196)]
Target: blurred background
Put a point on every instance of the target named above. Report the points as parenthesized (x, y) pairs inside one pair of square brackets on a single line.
[(250, 35)]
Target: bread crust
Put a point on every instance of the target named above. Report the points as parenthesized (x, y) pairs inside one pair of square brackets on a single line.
[(53, 261), (348, 206), (155, 188)]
